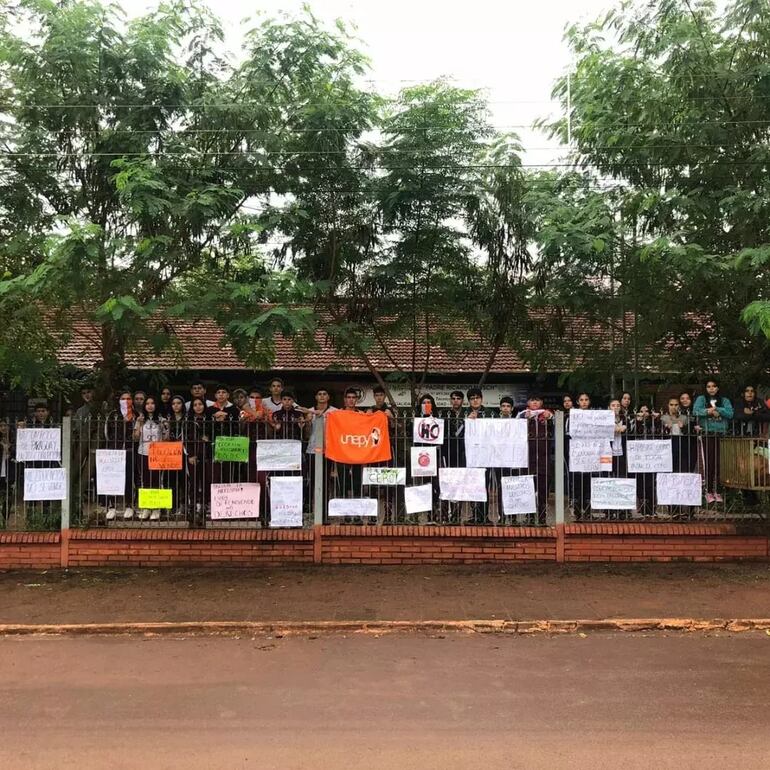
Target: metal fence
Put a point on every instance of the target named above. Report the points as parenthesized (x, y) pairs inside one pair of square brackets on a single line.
[(727, 473)]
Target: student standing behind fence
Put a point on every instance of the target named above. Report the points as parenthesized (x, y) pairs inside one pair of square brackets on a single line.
[(751, 414), (580, 483), (118, 434), (198, 450), (7, 467), (714, 412), (348, 477), (539, 422), (177, 431), (148, 428)]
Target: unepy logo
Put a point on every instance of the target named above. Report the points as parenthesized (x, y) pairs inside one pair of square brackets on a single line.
[(362, 440)]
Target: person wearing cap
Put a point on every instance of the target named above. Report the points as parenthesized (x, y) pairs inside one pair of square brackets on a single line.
[(539, 430)]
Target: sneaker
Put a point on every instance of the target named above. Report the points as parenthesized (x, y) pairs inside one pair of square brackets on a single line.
[(155, 515), (144, 514), (710, 497), (111, 514), (128, 513), (718, 498)]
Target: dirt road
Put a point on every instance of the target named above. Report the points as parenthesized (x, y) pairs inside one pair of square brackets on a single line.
[(603, 701)]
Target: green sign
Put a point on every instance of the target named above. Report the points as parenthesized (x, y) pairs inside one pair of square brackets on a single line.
[(231, 449)]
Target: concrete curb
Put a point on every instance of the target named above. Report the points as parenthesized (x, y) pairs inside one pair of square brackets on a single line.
[(378, 627)]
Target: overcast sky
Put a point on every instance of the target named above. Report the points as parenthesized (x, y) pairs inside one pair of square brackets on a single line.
[(512, 48)]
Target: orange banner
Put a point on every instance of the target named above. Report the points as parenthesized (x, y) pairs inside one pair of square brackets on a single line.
[(165, 456), (356, 438)]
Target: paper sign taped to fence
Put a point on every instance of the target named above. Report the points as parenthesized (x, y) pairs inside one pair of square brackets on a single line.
[(235, 501), (111, 472), (650, 456), (496, 443), (589, 455), (387, 477), (356, 438), (286, 501), (518, 495), (463, 484), (424, 461), (38, 444), (156, 498), (45, 484), (613, 494), (428, 430), (279, 455), (418, 499), (232, 449), (679, 488), (165, 456), (356, 507), (592, 423)]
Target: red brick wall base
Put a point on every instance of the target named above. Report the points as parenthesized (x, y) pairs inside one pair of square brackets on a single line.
[(388, 545)]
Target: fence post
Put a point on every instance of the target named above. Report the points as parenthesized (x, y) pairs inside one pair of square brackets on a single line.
[(66, 462), (558, 464), (318, 475)]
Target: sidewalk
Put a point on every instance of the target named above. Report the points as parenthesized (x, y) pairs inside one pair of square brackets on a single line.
[(538, 592)]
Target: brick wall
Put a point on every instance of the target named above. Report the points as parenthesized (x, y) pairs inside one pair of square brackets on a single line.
[(433, 545), (30, 550), (173, 548)]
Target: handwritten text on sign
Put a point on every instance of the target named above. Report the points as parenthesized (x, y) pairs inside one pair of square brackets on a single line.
[(649, 456), (38, 444), (589, 455), (45, 484), (428, 430), (463, 484), (235, 501), (233, 449), (279, 455), (110, 471), (418, 499), (613, 494), (592, 423), (518, 495), (357, 507), (286, 501), (496, 443), (388, 477), (156, 498), (165, 456), (679, 488)]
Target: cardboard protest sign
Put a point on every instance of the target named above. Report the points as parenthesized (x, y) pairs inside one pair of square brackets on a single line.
[(592, 423), (156, 498), (111, 472), (165, 456), (518, 495), (388, 477), (286, 501), (424, 461), (613, 494), (235, 501), (496, 443), (679, 488), (463, 484), (279, 455), (589, 455), (428, 430), (231, 449), (356, 438), (45, 484), (356, 507), (38, 445), (418, 499), (650, 456)]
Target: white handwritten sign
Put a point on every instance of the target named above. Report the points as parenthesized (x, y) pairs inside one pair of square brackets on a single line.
[(286, 501), (518, 495), (428, 430), (613, 494), (388, 477), (45, 484), (463, 484), (496, 443), (679, 488), (356, 507), (38, 444), (589, 455), (235, 501), (592, 423), (424, 461), (650, 456), (418, 499), (110, 471), (279, 455)]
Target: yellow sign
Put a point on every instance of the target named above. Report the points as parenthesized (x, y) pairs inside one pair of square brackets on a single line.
[(156, 498)]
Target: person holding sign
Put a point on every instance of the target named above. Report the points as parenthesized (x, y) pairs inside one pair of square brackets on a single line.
[(198, 443), (177, 431), (118, 434), (148, 428), (579, 482), (714, 412), (539, 435)]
